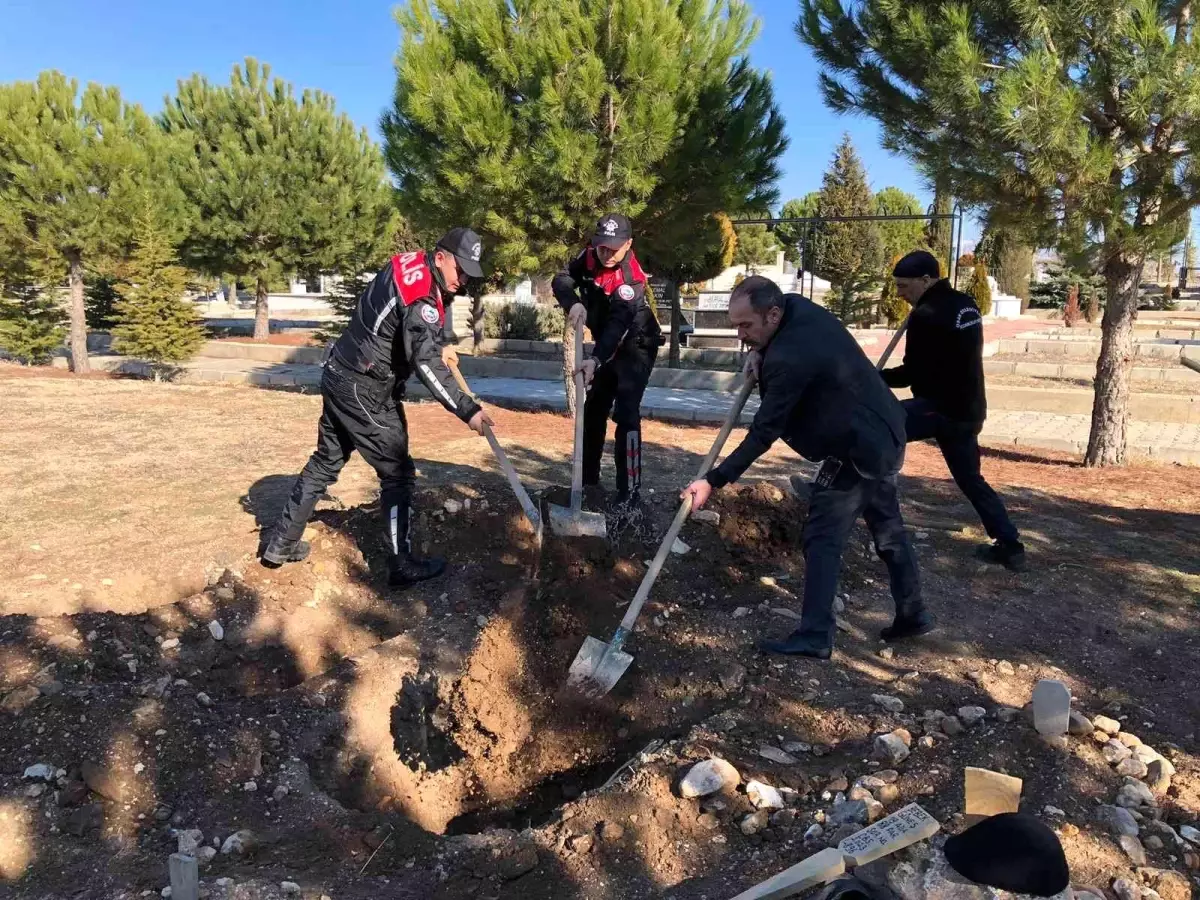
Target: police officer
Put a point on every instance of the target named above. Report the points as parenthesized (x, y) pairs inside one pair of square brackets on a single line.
[(822, 396), (605, 287), (943, 364), (396, 330)]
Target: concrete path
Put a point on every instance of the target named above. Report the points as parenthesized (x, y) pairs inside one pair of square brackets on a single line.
[(1169, 442)]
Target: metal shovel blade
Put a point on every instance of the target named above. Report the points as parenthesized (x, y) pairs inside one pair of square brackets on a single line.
[(568, 522), (597, 668)]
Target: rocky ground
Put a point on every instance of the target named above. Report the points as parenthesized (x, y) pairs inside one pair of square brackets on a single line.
[(305, 732)]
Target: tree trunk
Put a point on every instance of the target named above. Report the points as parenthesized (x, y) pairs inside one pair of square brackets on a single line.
[(676, 323), (477, 324), (262, 312), (231, 296), (568, 349), (79, 352), (1110, 408)]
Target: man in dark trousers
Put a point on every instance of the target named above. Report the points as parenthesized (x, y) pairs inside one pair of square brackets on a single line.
[(604, 287), (396, 330), (943, 364), (822, 396)]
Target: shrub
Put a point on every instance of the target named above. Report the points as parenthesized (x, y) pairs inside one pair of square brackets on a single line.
[(522, 321)]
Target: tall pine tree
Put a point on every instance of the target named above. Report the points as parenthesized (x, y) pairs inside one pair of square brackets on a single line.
[(791, 236), (154, 322), (939, 232), (848, 254), (31, 315), (1079, 122), (756, 247), (528, 119), (71, 171), (281, 184)]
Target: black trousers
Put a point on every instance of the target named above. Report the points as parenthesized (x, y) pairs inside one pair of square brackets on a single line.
[(959, 443), (358, 413), (832, 512), (617, 389)]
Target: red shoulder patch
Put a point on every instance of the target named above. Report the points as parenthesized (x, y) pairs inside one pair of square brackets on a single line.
[(414, 281)]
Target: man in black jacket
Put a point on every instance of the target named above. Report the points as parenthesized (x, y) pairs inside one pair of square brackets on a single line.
[(943, 364), (605, 287), (396, 330), (822, 396)]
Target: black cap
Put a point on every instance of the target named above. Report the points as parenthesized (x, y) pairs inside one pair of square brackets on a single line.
[(612, 231), (466, 247), (1012, 851), (918, 264)]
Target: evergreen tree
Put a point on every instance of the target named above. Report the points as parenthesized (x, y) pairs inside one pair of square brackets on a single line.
[(154, 322), (279, 184), (790, 236), (71, 170), (688, 257), (899, 236), (529, 118), (31, 317), (893, 308), (1011, 255), (848, 254), (100, 294), (981, 290), (939, 233), (1080, 123), (756, 247)]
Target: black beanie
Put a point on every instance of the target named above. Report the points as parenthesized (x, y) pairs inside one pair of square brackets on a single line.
[(918, 264), (1012, 851)]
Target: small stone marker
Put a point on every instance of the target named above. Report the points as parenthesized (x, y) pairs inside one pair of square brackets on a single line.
[(185, 877), (990, 793), (820, 868), (901, 829), (1051, 707)]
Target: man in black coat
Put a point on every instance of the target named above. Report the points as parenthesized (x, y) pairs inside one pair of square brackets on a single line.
[(943, 364), (822, 396)]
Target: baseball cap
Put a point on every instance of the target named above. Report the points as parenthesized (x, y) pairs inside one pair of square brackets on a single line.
[(612, 231), (467, 247), (918, 264)]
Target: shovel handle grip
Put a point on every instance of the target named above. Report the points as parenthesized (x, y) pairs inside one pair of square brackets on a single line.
[(685, 509)]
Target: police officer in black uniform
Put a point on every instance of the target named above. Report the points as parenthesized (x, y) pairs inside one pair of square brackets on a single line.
[(396, 330), (943, 364), (605, 287), (822, 396)]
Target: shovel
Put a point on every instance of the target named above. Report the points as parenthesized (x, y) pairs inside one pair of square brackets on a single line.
[(887, 353), (599, 666), (527, 506), (572, 521)]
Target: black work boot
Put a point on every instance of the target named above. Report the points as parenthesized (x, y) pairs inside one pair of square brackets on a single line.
[(800, 644), (1010, 554), (404, 569), (912, 619), (280, 551)]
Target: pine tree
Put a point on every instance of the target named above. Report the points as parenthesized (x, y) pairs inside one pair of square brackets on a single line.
[(1071, 313), (756, 247), (791, 236), (687, 257), (899, 236), (154, 322), (280, 184), (528, 119), (31, 316), (892, 307), (71, 170), (939, 232), (981, 290), (1010, 253), (1081, 125), (848, 254)]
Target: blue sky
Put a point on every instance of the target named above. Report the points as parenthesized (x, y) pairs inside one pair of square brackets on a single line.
[(345, 47)]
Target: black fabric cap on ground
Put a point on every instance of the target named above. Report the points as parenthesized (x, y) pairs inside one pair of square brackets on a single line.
[(1012, 851)]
